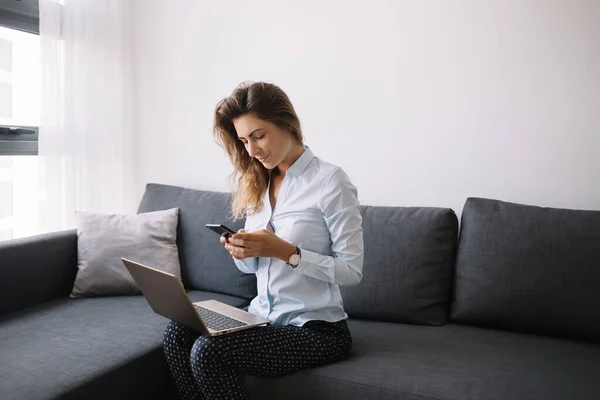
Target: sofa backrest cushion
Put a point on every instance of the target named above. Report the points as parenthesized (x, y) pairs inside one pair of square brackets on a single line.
[(205, 264), (408, 265), (528, 268)]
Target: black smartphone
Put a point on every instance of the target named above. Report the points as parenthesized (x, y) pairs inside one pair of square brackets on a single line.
[(220, 229)]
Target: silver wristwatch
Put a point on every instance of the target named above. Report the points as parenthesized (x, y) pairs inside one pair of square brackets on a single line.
[(295, 258)]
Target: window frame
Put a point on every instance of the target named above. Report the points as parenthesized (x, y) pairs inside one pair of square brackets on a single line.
[(19, 140), (23, 15)]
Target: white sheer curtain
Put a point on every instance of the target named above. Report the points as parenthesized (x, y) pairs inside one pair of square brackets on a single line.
[(87, 140)]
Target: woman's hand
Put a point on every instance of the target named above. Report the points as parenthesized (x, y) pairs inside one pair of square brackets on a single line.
[(261, 243)]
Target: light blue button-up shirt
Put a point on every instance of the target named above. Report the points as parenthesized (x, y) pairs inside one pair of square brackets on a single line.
[(317, 210)]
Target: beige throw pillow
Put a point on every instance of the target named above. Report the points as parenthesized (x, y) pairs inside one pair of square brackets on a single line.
[(102, 239)]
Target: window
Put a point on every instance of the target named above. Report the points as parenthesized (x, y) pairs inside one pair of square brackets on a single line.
[(20, 97), (20, 92)]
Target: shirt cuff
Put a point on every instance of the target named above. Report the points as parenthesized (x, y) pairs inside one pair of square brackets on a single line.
[(309, 262), (247, 265)]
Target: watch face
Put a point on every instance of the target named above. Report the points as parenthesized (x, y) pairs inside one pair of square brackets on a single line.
[(295, 259)]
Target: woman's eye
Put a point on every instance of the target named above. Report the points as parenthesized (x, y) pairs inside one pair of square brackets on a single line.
[(260, 137)]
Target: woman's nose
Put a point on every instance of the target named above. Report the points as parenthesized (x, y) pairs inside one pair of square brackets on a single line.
[(252, 150)]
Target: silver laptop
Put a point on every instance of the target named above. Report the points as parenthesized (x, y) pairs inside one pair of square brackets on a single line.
[(166, 295)]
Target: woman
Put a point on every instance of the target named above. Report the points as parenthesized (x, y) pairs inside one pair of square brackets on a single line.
[(302, 239)]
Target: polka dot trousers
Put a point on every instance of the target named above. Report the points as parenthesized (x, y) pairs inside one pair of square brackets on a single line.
[(206, 367)]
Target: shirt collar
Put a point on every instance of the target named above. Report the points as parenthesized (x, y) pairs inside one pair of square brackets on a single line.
[(301, 163)]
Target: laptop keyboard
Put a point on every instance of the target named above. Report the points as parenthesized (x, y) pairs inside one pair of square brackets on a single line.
[(217, 321)]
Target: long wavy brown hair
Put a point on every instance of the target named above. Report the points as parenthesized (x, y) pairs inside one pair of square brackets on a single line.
[(269, 103)]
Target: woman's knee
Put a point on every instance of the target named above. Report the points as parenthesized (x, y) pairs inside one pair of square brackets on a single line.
[(204, 348), (176, 333), (208, 351), (170, 332)]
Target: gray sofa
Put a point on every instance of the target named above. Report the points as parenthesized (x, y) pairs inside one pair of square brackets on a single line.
[(508, 309)]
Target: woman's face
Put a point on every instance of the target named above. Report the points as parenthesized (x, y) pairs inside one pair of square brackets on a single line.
[(264, 140)]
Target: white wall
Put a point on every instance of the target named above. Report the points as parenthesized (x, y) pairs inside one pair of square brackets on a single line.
[(421, 102)]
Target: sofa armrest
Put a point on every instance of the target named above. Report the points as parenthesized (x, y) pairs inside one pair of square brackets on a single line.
[(37, 269)]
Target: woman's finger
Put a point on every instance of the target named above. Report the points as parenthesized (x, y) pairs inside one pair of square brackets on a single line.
[(237, 253), (243, 235), (239, 242)]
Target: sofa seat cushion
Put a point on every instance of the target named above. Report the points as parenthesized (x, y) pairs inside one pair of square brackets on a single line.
[(106, 347), (451, 362)]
